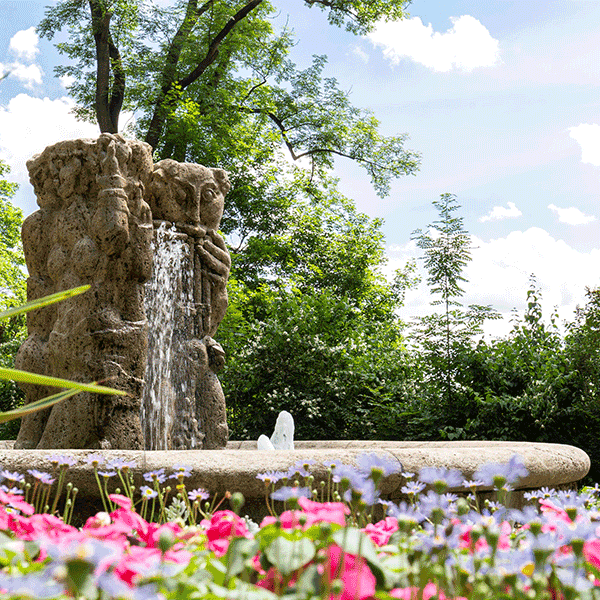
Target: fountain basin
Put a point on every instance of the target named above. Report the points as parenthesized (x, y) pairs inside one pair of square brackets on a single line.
[(234, 469)]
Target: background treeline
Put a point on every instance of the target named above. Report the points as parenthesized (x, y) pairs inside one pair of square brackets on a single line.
[(324, 340)]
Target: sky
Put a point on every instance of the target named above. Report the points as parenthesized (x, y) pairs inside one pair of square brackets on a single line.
[(500, 98)]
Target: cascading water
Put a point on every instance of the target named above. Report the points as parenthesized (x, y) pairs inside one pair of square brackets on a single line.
[(167, 416)]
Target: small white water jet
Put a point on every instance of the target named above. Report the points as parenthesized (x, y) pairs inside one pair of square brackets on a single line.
[(283, 435), (169, 305)]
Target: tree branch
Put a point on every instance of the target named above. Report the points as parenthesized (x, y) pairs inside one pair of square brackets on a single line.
[(160, 109), (118, 88), (313, 151), (169, 72), (101, 29), (213, 49)]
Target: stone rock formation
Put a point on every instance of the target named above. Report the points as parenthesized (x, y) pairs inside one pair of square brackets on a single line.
[(100, 201), (93, 227), (188, 199)]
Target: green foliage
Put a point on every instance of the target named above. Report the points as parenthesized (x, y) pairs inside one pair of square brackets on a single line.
[(12, 293), (442, 338), (447, 248), (583, 346), (529, 386), (313, 355), (214, 84), (311, 326)]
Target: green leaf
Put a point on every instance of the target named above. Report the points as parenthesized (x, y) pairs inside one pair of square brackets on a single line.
[(45, 301), (79, 578), (26, 377), (217, 570), (242, 591), (288, 556), (239, 552), (309, 582), (17, 413)]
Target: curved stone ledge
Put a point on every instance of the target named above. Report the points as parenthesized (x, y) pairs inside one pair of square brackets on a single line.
[(235, 469)]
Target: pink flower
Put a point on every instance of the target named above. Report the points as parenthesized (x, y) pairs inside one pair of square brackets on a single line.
[(137, 563), (144, 562), (113, 531), (16, 502), (51, 527), (288, 519), (222, 526), (550, 510), (122, 501), (126, 517), (381, 532), (151, 533), (591, 551), (315, 512), (328, 512), (358, 580)]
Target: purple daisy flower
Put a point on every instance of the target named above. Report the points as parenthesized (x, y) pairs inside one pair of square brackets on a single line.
[(288, 492), (158, 475), (498, 474), (62, 460), (367, 463), (13, 477), (198, 494), (94, 459), (438, 475), (147, 492), (41, 476)]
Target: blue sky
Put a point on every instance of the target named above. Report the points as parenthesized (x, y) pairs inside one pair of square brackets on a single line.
[(500, 98)]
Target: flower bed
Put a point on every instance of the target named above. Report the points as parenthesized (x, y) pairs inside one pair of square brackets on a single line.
[(164, 541)]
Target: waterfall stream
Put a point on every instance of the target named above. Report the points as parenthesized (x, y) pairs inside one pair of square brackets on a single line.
[(169, 305)]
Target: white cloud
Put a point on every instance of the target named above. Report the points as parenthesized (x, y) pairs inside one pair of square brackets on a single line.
[(571, 215), (25, 43), (30, 124), (66, 80), (29, 75), (588, 137), (500, 212), (360, 54), (465, 46), (499, 272)]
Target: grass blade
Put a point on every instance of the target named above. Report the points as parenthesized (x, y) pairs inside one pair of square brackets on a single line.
[(26, 377), (16, 413), (40, 302)]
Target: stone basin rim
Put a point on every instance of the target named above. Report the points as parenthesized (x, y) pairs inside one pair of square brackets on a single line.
[(235, 468)]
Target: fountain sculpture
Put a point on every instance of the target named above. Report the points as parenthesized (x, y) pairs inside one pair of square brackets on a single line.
[(101, 204), (144, 237)]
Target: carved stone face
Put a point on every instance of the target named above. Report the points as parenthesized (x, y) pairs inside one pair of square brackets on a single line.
[(212, 198), (188, 193)]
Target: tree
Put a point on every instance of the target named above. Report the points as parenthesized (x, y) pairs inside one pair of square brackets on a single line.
[(321, 338), (212, 83), (173, 65), (12, 293), (583, 345), (447, 251)]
